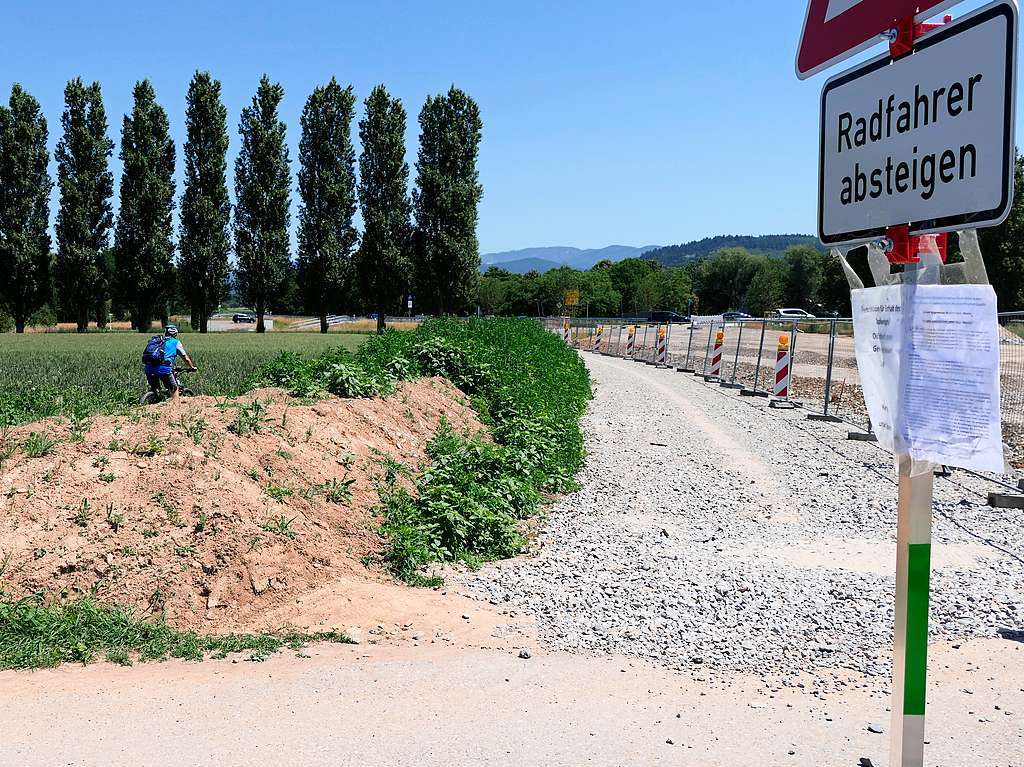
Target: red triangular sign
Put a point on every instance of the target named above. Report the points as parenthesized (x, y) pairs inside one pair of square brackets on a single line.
[(837, 29)]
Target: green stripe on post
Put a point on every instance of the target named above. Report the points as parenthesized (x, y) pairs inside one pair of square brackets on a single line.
[(916, 669)]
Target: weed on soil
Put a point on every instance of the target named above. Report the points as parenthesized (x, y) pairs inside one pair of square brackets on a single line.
[(34, 634)]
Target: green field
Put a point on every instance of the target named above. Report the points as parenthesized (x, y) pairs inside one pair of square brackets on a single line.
[(68, 374)]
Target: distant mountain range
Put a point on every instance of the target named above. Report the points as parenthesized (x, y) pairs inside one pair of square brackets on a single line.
[(771, 245), (544, 259)]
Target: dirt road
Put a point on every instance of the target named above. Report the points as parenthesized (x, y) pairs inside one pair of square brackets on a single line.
[(815, 551), (415, 706)]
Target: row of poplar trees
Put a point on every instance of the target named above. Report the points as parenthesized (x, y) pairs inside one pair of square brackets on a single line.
[(425, 241)]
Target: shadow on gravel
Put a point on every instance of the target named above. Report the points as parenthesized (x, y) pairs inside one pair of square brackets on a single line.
[(987, 541), (1012, 634)]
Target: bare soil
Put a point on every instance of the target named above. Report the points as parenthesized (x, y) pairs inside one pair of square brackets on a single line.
[(168, 509)]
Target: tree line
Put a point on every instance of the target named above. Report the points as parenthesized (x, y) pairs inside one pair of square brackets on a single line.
[(424, 241), (730, 278), (734, 278)]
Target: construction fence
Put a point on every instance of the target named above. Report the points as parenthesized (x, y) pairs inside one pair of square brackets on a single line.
[(824, 378)]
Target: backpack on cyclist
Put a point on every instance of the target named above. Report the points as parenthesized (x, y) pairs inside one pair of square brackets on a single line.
[(154, 352)]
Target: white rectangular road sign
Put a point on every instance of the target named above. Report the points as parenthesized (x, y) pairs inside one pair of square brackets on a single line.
[(926, 140)]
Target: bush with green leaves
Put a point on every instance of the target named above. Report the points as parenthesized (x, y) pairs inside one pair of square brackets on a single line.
[(389, 354), (335, 371), (439, 356), (466, 506), (532, 390), (526, 385)]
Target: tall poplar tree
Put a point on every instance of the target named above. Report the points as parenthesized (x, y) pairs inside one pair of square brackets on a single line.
[(382, 261), (24, 207), (327, 184), (142, 238), (205, 207), (445, 202), (86, 186), (262, 186)]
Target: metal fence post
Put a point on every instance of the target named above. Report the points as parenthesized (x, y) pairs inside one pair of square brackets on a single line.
[(643, 344), (689, 344), (653, 351), (757, 369), (707, 350), (735, 360), (824, 416)]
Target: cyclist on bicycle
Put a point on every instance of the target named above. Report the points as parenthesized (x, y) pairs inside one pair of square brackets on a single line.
[(162, 372)]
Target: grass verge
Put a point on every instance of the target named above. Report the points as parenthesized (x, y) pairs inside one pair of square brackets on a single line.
[(37, 634), (529, 388)]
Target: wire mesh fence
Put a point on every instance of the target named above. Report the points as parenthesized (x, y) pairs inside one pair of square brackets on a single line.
[(824, 376)]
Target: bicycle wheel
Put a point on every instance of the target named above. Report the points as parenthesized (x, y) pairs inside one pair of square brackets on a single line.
[(149, 398), (186, 392)]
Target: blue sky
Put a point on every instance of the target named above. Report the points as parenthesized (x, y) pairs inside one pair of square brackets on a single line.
[(604, 122)]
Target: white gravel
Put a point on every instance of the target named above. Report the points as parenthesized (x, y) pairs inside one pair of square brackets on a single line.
[(714, 534)]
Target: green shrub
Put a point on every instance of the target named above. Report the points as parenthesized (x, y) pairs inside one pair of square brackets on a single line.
[(525, 383), (335, 371), (389, 354), (466, 506), (440, 356), (531, 390)]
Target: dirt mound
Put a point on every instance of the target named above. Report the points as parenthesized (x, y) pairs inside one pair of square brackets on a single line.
[(217, 512)]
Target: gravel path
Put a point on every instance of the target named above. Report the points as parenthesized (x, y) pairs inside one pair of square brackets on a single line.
[(714, 534)]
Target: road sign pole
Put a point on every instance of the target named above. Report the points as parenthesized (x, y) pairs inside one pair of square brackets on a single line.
[(910, 645), (831, 360), (923, 58)]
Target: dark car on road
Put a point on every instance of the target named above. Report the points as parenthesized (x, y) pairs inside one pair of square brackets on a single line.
[(732, 316), (242, 318), (662, 316)]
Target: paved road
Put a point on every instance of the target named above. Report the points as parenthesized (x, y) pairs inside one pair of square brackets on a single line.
[(227, 326)]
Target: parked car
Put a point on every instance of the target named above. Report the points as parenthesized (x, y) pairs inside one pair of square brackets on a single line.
[(791, 314), (733, 316), (820, 310), (242, 318), (663, 316)]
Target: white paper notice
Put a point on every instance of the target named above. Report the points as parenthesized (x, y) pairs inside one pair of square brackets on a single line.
[(928, 357)]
